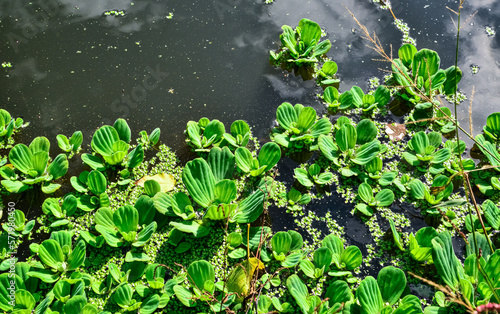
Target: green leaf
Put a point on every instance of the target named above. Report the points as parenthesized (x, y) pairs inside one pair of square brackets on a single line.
[(151, 187), (215, 129), (244, 159), (51, 205), (338, 292), (126, 218), (123, 130), (136, 257), (328, 148), (396, 236), (369, 296), (364, 209), (307, 268), (104, 139), (75, 304), (306, 118), (406, 53), (94, 162), (225, 191), (69, 204), (269, 155), (281, 242), (322, 257), (40, 144), (453, 77), (366, 131), (366, 153), (200, 272), (310, 32), (199, 181), (299, 292), (51, 254), (163, 203), (441, 156), (62, 290), (63, 142), (49, 188), (135, 157), (419, 142), (425, 63), (365, 193), (445, 260), (123, 295), (24, 300), (286, 116), (392, 283), (303, 177), (221, 162), (292, 260), (150, 304), (96, 182), (417, 189), (145, 234), (492, 127), (346, 137), (21, 158), (40, 160), (250, 208), (384, 198), (77, 256), (184, 296), (351, 257), (191, 226), (491, 213), (387, 178), (331, 94), (76, 140), (145, 208), (9, 282)]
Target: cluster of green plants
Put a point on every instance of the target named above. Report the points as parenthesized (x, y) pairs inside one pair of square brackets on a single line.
[(128, 234), (302, 50)]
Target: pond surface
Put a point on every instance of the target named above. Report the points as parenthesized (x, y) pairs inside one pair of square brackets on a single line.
[(167, 62)]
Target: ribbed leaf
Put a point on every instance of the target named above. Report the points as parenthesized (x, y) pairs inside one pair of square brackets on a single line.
[(328, 147), (123, 295), (250, 208), (310, 32), (123, 130), (221, 162), (77, 256), (281, 242), (51, 254), (286, 116), (21, 158), (369, 296), (299, 292), (366, 131), (406, 53), (103, 140), (126, 218), (40, 144), (306, 118), (392, 283), (269, 155), (199, 181), (199, 272), (322, 126), (445, 260), (244, 159)]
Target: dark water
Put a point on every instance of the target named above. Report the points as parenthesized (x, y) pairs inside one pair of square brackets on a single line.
[(75, 69)]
